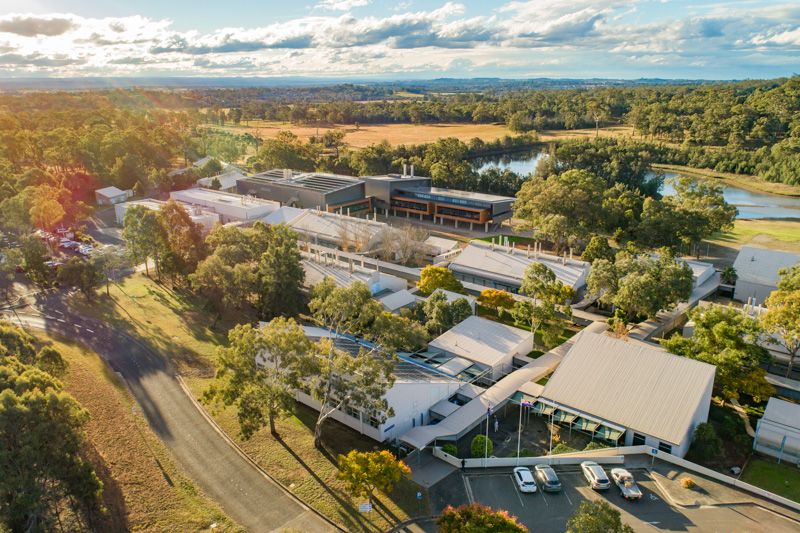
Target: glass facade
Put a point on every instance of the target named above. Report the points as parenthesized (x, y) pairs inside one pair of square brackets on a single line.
[(413, 206)]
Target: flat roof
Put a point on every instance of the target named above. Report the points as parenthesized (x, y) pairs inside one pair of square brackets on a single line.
[(283, 215), (760, 266), (639, 387), (482, 197), (315, 181), (227, 179), (209, 196), (782, 413), (482, 341), (509, 264)]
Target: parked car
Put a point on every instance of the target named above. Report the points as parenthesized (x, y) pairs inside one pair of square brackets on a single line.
[(524, 479), (595, 475), (548, 478), (85, 250), (64, 243), (53, 265), (73, 245), (627, 486)]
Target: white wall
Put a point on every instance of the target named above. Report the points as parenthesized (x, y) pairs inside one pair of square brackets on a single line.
[(745, 290)]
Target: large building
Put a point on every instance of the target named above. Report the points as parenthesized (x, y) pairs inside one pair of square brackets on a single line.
[(230, 207), (501, 267), (416, 196), (204, 218), (757, 271), (628, 392), (309, 190), (333, 230), (228, 180), (778, 431)]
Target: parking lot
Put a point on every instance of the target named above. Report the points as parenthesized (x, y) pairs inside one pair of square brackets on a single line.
[(549, 512)]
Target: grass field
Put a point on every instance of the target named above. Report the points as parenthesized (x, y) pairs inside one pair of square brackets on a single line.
[(771, 233), (143, 490), (780, 479), (175, 323)]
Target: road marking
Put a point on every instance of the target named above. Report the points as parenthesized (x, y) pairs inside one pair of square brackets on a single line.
[(61, 320), (653, 497), (78, 325), (469, 490), (90, 331), (57, 311), (516, 487), (545, 499), (567, 495)]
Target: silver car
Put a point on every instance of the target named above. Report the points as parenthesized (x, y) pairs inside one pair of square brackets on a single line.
[(627, 486), (595, 475)]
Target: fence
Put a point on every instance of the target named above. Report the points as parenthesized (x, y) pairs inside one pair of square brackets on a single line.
[(614, 456)]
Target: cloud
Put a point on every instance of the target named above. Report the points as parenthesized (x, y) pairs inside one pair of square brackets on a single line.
[(340, 5), (37, 60), (32, 26)]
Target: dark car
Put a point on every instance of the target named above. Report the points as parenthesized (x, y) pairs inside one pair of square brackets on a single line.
[(547, 478)]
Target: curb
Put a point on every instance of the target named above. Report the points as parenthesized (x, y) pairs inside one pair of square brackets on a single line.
[(247, 458), (421, 519)]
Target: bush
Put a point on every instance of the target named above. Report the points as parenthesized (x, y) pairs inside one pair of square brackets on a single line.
[(525, 452), (563, 448), (687, 483), (480, 446), (451, 449), (595, 446), (706, 442)]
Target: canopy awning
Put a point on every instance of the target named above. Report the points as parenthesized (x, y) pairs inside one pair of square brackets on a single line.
[(543, 409), (564, 416), (609, 433), (584, 424)]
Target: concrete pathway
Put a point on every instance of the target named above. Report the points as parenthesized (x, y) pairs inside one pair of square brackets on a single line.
[(743, 415), (426, 470)]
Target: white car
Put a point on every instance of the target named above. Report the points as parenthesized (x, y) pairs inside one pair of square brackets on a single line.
[(595, 475), (524, 479), (627, 486)]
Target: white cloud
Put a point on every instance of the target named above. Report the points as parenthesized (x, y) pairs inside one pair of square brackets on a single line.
[(341, 5)]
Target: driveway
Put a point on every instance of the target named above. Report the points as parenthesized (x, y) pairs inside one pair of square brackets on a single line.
[(244, 493)]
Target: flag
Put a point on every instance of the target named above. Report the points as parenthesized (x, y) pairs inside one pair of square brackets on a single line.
[(489, 410), (527, 403)]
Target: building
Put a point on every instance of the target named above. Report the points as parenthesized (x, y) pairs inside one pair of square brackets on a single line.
[(111, 195), (492, 346), (229, 207), (309, 190), (393, 303), (344, 275), (501, 267), (283, 215), (338, 231), (228, 180), (778, 431), (757, 271), (205, 219), (628, 393), (416, 196), (202, 161)]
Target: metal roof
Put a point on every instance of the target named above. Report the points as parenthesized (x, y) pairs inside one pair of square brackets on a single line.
[(481, 340), (756, 265), (332, 226), (638, 387), (452, 193), (782, 413), (227, 179), (314, 181), (508, 264), (283, 215), (398, 300), (109, 192)]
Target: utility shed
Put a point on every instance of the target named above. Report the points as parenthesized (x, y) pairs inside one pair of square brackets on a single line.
[(778, 431), (111, 195), (489, 344), (757, 271), (639, 392)]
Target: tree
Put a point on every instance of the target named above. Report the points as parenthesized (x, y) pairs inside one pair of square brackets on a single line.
[(51, 361), (433, 277), (707, 443), (366, 472), (110, 260), (138, 189), (183, 237), (143, 231), (34, 257), (83, 275), (227, 287), (280, 275), (728, 339), (10, 258), (790, 278), (481, 446), (496, 299), (259, 373), (216, 184), (782, 321), (729, 275), (41, 437), (478, 518), (546, 299), (338, 379), (597, 517), (442, 315), (598, 248)]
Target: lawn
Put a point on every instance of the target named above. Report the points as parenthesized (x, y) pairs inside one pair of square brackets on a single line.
[(144, 490), (772, 233), (780, 479), (174, 322)]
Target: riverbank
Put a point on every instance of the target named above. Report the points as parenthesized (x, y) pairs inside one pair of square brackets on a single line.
[(744, 181)]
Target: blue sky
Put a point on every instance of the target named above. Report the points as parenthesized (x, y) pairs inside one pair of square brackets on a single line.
[(359, 39)]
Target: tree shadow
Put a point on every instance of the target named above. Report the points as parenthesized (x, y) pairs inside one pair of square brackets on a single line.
[(115, 517)]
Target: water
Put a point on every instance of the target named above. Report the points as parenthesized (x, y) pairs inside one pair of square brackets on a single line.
[(751, 204)]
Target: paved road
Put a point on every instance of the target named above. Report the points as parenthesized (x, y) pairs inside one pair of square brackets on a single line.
[(242, 491)]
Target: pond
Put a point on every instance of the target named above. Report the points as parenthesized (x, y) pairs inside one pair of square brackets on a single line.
[(751, 204)]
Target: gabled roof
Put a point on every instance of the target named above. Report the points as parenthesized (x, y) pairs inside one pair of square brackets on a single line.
[(332, 226), (397, 300), (200, 162), (441, 244), (756, 265), (482, 341), (227, 179), (284, 215), (635, 386), (109, 192), (782, 413)]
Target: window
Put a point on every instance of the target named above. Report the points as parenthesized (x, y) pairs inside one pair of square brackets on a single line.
[(355, 413), (638, 440), (373, 422), (664, 447)]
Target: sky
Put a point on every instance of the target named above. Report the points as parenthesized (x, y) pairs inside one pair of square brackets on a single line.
[(412, 39)]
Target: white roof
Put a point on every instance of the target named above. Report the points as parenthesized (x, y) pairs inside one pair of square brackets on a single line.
[(331, 226), (218, 199), (783, 413), (284, 215), (109, 192), (481, 340), (203, 161), (317, 272), (502, 265), (227, 179), (398, 300), (756, 265), (441, 244), (638, 387)]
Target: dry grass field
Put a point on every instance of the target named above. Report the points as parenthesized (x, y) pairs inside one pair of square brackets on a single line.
[(143, 489), (771, 233)]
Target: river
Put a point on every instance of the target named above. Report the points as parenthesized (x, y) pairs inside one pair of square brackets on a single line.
[(751, 204)]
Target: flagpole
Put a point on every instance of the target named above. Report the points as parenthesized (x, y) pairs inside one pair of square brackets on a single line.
[(519, 430), (486, 448)]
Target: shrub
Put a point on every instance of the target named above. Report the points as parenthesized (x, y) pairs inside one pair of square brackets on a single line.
[(480, 446), (687, 483), (595, 446), (563, 448), (706, 442), (451, 449), (525, 452)]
